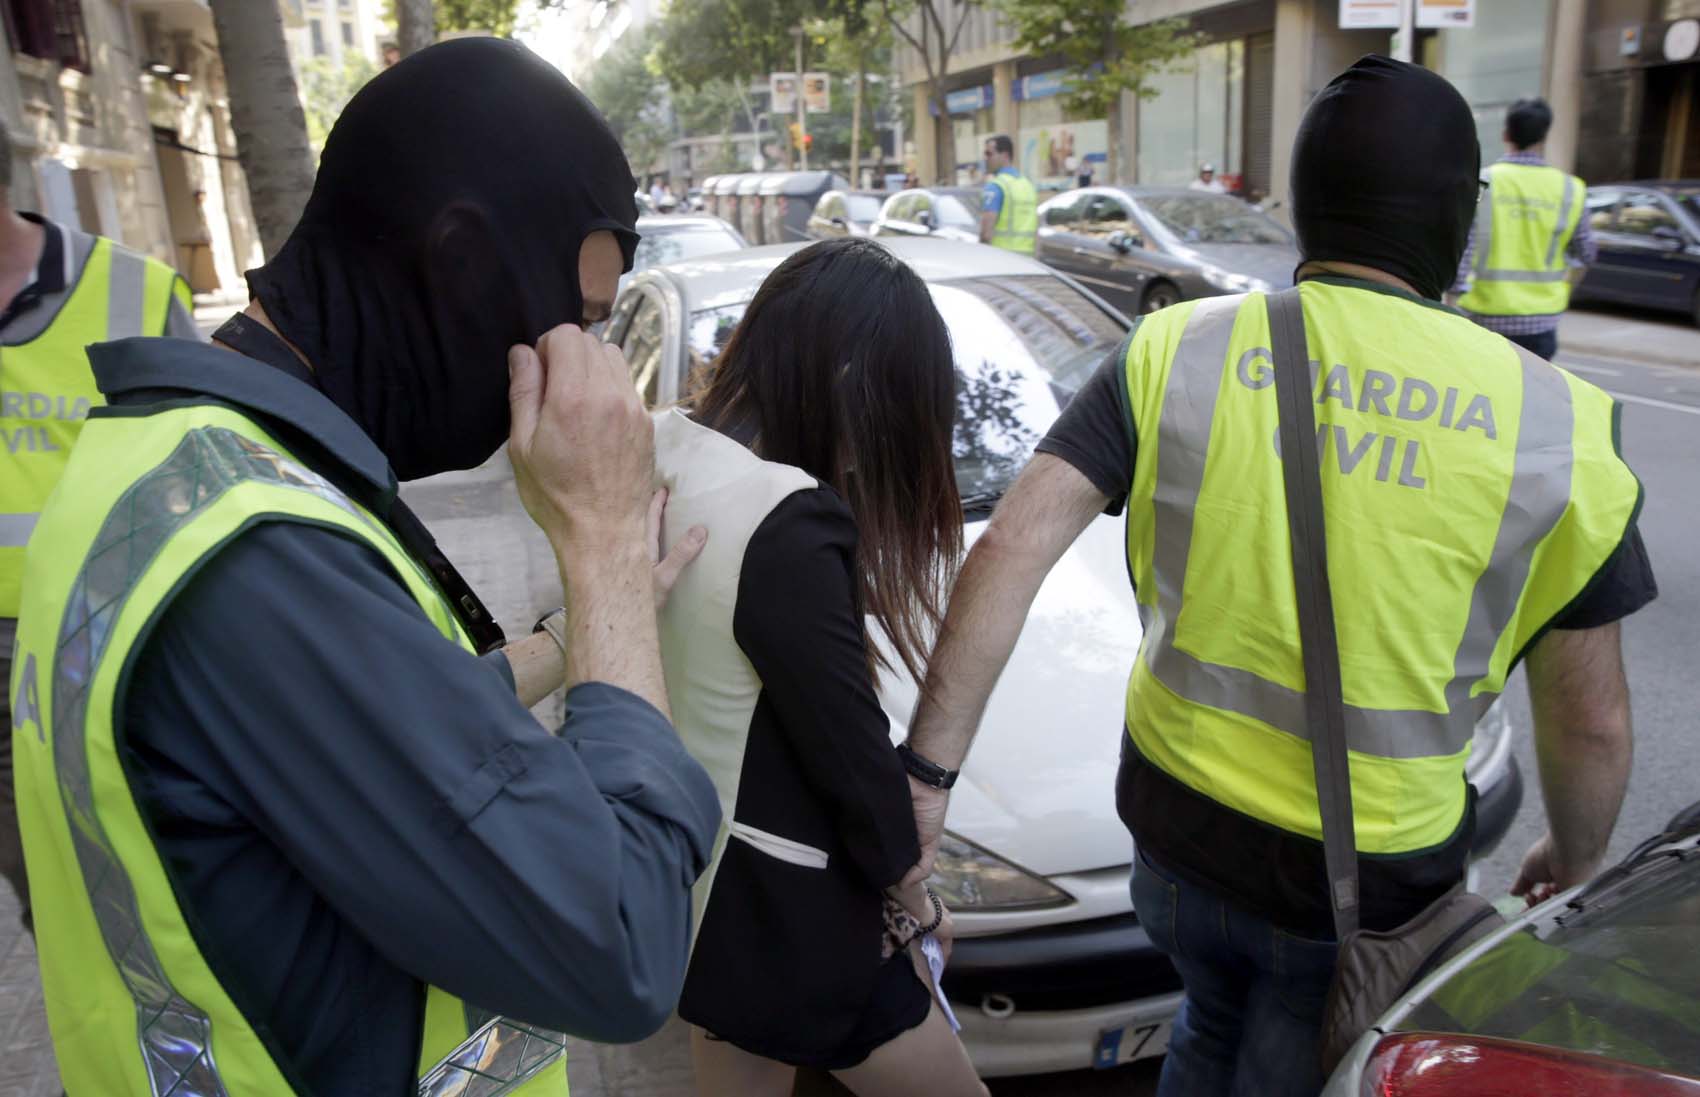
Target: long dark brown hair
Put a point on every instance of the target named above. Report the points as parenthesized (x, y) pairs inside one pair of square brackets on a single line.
[(842, 367)]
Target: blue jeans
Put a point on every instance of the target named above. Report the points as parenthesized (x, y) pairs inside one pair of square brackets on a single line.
[(1251, 1021), (1543, 343)]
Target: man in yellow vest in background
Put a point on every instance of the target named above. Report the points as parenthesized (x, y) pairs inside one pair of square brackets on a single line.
[(1009, 206), (60, 290), (1531, 240), (1477, 512), (290, 825)]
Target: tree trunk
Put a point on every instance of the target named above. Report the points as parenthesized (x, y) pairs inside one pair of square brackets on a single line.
[(416, 24), (944, 135), (1113, 142), (856, 121), (266, 115)]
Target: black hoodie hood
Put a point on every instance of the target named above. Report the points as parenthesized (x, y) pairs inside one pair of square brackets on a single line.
[(1385, 170), (444, 227)]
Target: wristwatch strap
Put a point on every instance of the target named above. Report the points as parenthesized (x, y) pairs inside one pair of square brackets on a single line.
[(924, 771)]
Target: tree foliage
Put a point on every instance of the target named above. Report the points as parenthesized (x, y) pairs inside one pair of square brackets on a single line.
[(496, 16), (707, 40), (632, 96), (326, 88), (1104, 53)]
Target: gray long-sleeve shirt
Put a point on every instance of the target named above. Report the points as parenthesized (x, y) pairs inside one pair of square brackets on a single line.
[(350, 807)]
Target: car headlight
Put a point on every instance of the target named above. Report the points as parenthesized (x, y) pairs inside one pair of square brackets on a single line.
[(967, 877), (1233, 283)]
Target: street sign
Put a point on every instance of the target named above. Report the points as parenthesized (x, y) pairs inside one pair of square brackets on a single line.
[(1384, 14), (782, 88), (817, 92)]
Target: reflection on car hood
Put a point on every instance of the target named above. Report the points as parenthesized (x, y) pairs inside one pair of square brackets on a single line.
[(1273, 263), (1039, 786)]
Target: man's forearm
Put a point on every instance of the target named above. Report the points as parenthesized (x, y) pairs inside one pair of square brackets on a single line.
[(611, 630), (1583, 744), (1046, 509), (988, 225), (537, 667)]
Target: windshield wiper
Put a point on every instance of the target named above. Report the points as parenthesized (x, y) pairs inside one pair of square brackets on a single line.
[(979, 502)]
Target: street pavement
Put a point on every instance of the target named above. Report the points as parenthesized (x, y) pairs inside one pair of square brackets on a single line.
[(1650, 363)]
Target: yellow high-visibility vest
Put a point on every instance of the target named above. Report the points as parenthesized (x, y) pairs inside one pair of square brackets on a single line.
[(1523, 226), (46, 388), (1473, 491), (132, 1003), (1018, 216)]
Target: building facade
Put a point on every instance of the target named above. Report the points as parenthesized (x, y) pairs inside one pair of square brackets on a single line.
[(1640, 91), (1236, 104)]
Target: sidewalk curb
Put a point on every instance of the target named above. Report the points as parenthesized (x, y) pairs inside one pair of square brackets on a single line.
[(1618, 353)]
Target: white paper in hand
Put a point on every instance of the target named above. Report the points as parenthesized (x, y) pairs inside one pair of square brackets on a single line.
[(935, 964)]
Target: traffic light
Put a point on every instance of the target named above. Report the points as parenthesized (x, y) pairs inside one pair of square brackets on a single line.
[(808, 141)]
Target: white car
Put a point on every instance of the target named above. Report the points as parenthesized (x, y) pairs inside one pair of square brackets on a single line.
[(1051, 970)]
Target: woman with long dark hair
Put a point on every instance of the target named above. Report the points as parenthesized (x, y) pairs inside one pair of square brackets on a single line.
[(818, 452)]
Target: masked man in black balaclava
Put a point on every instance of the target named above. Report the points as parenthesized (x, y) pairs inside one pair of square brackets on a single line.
[(297, 829), (1476, 512)]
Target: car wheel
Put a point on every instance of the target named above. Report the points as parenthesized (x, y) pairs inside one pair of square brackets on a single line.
[(1158, 295)]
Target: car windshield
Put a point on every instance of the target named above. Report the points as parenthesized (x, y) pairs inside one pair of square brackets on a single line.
[(1619, 978), (861, 207), (672, 245), (957, 210), (1024, 346), (1212, 219)]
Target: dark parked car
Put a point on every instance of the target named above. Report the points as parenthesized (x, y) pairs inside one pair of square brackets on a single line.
[(945, 213), (1649, 236), (788, 199), (845, 213), (1595, 991), (1145, 248)]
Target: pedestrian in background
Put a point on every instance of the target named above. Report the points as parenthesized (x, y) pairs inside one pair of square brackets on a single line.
[(288, 832), (60, 290), (1009, 216), (1207, 181), (821, 451), (1531, 240), (1464, 540)]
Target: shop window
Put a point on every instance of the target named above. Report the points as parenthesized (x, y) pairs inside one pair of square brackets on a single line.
[(50, 29)]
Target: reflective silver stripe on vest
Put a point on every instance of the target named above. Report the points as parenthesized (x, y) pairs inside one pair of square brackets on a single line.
[(496, 1059), (1497, 275), (1563, 219), (1539, 491), (1484, 229), (124, 298), (174, 1034), (15, 529)]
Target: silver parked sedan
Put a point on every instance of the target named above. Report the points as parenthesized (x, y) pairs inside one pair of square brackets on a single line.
[(1145, 248), (1052, 970)]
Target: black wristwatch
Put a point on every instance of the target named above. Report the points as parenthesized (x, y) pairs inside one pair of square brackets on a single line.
[(928, 773)]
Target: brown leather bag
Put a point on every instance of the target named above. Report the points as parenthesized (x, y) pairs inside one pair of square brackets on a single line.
[(1374, 969)]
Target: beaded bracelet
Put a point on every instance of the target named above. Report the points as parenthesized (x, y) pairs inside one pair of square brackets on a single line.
[(938, 915)]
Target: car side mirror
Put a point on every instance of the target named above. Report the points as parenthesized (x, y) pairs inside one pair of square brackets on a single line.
[(840, 222), (1124, 241), (924, 218), (1670, 236)]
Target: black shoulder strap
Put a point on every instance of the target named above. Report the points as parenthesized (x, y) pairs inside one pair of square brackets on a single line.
[(1324, 706)]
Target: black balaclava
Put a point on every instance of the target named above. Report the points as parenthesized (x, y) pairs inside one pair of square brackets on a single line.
[(444, 227), (1384, 173)]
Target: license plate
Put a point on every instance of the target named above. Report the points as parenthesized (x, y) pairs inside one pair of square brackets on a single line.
[(1129, 1042)]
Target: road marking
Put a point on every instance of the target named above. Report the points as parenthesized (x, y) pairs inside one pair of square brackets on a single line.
[(1602, 370), (1686, 409)]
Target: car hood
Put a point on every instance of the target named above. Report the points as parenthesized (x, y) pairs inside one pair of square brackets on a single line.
[(1039, 785), (1274, 263)]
